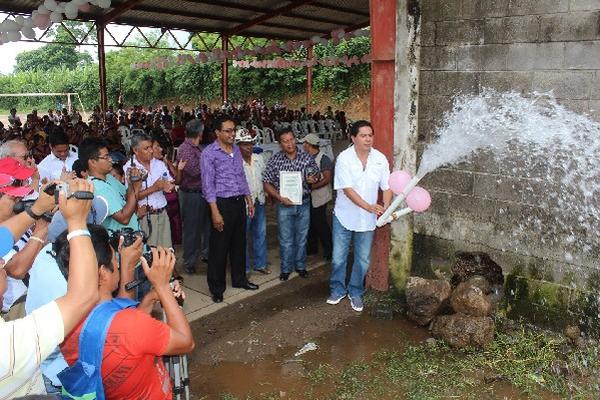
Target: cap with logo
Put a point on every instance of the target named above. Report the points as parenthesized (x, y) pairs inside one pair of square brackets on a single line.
[(11, 171), (242, 135)]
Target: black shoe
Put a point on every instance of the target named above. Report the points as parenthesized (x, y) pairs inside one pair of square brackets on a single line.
[(247, 286), (302, 272), (284, 276), (217, 298)]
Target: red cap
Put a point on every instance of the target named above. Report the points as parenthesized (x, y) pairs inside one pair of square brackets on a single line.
[(14, 168), (5, 179), (16, 191)]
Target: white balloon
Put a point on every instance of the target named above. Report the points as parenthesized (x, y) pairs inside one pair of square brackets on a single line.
[(42, 9), (70, 14), (11, 25), (13, 36), (3, 37), (56, 17), (104, 3), (79, 2), (19, 19), (50, 4), (28, 23), (29, 33), (60, 8)]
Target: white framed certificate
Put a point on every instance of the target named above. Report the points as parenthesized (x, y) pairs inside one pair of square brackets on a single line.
[(290, 185)]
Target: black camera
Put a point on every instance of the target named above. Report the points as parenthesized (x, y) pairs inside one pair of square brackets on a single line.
[(20, 206), (55, 188), (130, 235)]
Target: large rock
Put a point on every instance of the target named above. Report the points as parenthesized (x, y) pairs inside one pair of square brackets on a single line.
[(461, 330), (425, 297), (469, 299), (468, 265)]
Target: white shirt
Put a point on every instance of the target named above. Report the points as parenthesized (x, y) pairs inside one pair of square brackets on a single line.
[(349, 173), (24, 344), (158, 170), (254, 175), (51, 166), (15, 288)]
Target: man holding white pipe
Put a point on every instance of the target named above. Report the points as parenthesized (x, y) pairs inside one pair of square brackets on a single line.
[(360, 172)]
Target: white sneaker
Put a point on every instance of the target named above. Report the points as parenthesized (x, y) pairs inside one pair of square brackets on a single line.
[(335, 300), (356, 303)]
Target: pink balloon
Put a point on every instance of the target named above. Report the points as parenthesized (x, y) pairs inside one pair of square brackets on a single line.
[(398, 181), (418, 199), (41, 20), (85, 7)]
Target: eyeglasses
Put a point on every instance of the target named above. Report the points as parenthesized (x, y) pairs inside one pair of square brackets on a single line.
[(106, 157)]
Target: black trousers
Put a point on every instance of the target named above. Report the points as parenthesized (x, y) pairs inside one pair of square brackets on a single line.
[(319, 230), (229, 243)]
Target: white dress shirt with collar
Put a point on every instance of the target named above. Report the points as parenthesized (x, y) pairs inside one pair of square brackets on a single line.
[(51, 167), (366, 182), (158, 170)]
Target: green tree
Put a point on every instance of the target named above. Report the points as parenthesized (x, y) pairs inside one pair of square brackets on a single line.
[(54, 56)]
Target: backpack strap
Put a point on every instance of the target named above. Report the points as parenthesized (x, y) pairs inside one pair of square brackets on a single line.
[(93, 335)]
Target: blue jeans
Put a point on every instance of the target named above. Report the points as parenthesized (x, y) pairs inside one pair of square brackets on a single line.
[(339, 260), (256, 239), (293, 231)]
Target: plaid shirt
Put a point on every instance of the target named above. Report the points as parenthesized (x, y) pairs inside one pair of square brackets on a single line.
[(281, 162)]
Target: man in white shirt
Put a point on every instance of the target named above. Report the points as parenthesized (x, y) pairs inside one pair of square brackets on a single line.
[(59, 163), (256, 226), (158, 180), (360, 172), (26, 342)]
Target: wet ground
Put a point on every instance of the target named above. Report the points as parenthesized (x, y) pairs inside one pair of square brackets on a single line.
[(247, 349)]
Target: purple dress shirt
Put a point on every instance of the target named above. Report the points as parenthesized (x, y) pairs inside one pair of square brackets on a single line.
[(222, 173), (191, 173)]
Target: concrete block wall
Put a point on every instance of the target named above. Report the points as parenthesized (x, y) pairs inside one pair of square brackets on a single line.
[(507, 45)]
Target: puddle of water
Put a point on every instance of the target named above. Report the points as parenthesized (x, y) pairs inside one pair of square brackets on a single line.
[(284, 375)]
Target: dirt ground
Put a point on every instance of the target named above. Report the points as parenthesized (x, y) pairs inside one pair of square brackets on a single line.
[(286, 316)]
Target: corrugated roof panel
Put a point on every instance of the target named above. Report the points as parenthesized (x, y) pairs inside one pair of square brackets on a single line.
[(316, 18)]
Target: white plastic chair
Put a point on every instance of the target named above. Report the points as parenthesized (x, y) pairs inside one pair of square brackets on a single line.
[(297, 129), (269, 135)]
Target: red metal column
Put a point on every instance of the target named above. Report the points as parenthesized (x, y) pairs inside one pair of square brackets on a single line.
[(383, 44), (102, 66), (309, 81), (225, 70)]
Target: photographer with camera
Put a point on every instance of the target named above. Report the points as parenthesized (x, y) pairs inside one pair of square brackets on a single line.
[(130, 368), (27, 341), (121, 200), (157, 181), (19, 259)]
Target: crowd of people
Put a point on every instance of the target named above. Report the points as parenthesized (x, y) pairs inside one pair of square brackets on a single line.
[(95, 219)]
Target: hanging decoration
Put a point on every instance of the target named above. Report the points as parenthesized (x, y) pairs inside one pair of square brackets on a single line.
[(272, 47), (49, 12)]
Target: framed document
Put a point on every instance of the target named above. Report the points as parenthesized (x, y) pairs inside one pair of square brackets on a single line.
[(290, 185)]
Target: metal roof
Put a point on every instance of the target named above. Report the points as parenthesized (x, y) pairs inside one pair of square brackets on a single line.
[(291, 19)]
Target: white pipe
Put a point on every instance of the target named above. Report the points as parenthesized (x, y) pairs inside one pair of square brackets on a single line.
[(381, 221)]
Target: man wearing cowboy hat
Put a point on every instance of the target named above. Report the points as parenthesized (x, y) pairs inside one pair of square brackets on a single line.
[(256, 226)]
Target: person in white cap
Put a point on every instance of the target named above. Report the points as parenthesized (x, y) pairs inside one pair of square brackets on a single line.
[(256, 226)]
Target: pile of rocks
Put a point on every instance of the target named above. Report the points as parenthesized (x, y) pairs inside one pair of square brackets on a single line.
[(460, 316)]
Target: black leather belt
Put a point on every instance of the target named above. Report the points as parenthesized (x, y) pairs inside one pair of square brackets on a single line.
[(190, 190)]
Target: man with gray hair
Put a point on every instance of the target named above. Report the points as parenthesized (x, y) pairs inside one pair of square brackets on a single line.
[(193, 206), (16, 149), (157, 180)]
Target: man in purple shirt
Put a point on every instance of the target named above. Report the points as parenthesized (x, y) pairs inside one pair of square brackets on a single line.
[(226, 190), (193, 206)]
